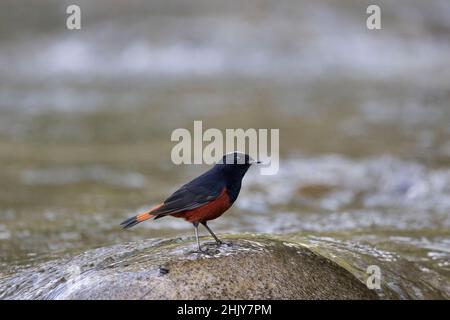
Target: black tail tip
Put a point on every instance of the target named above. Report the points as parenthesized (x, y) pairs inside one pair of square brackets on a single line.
[(130, 222)]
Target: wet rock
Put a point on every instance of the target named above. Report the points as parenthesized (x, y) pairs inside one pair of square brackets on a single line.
[(251, 267)]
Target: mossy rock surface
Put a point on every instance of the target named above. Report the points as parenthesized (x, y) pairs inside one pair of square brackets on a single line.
[(247, 267)]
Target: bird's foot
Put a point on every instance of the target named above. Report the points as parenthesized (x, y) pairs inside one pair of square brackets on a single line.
[(208, 251), (223, 243), (210, 248)]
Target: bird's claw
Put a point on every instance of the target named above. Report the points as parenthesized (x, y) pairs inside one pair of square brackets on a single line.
[(223, 243), (206, 252)]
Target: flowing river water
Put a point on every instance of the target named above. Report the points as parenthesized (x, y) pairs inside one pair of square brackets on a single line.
[(86, 118)]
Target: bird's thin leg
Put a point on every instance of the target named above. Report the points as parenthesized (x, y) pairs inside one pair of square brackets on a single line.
[(196, 236), (219, 242)]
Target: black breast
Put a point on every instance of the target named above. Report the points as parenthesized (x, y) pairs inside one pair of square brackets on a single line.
[(233, 188)]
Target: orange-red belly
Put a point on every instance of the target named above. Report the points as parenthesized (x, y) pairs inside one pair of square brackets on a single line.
[(209, 211)]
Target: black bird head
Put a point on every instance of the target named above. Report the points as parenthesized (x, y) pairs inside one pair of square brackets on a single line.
[(236, 163)]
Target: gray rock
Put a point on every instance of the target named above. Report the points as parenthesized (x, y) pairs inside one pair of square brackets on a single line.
[(249, 267)]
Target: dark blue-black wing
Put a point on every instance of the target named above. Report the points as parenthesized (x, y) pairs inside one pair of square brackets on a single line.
[(194, 194)]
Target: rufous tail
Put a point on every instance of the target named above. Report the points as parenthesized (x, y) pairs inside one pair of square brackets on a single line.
[(132, 221)]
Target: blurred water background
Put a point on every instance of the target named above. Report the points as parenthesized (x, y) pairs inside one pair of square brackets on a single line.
[(86, 118)]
